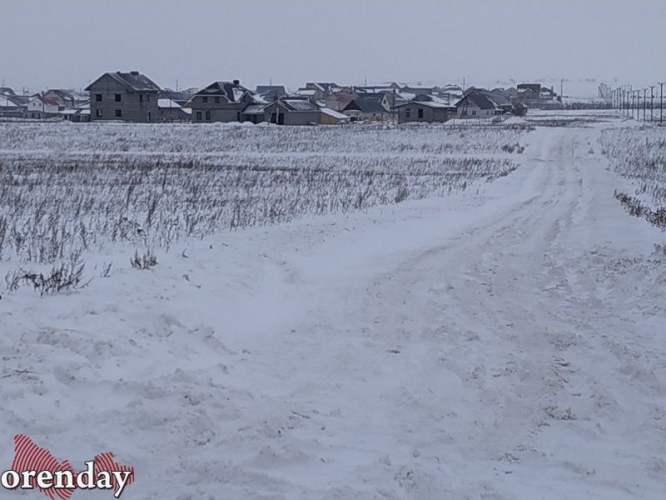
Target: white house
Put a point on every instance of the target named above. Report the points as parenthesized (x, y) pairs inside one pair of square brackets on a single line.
[(42, 107)]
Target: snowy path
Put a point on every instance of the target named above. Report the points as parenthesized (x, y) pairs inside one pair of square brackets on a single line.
[(500, 345)]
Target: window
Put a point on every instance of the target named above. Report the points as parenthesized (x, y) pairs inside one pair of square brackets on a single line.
[(208, 116), (474, 112), (119, 97), (98, 113), (204, 100), (140, 97), (199, 116), (98, 97), (420, 114), (217, 100), (148, 97), (119, 113), (408, 113), (238, 117)]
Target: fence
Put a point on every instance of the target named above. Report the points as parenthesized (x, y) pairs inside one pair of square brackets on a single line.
[(646, 104)]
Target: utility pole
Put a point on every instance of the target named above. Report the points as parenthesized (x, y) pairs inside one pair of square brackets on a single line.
[(661, 103), (562, 88), (651, 103), (644, 104), (638, 104)]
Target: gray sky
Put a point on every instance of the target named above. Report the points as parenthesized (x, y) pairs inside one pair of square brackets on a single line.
[(68, 43)]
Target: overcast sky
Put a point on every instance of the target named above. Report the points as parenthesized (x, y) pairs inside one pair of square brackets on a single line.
[(68, 43)]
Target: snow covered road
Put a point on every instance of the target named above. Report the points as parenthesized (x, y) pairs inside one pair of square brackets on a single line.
[(506, 344)]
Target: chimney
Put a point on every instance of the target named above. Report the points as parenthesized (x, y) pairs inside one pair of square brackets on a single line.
[(134, 73), (236, 83)]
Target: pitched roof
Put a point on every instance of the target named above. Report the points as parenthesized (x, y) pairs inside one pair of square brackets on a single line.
[(534, 87), (64, 94), (255, 109), (7, 91), (477, 98), (296, 104), (45, 100), (271, 89), (429, 101), (368, 103), (231, 91), (174, 95), (19, 100), (133, 81), (6, 103), (334, 114), (498, 99)]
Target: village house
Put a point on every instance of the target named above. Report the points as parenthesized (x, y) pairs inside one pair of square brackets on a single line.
[(301, 111), (176, 96), (373, 107), (420, 90), (477, 104), (338, 99), (172, 111), (9, 108), (78, 114), (271, 92), (425, 109), (130, 97), (66, 98), (40, 107), (222, 102)]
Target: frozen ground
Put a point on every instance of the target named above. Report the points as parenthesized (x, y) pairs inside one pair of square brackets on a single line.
[(504, 344)]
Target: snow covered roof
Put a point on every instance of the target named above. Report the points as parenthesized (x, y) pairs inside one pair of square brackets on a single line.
[(255, 109), (429, 101), (6, 103), (133, 80), (368, 103), (44, 100), (300, 104), (306, 92), (257, 99), (334, 114), (171, 104), (232, 91)]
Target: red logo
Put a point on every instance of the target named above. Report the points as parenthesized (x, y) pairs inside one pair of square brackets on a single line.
[(34, 467)]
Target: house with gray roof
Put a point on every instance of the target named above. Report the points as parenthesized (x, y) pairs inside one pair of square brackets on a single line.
[(478, 104), (271, 92), (301, 111), (222, 101), (425, 108), (9, 108), (122, 96), (372, 107), (66, 98)]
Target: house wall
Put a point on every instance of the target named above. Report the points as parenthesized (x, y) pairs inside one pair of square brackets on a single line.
[(69, 103), (173, 115), (474, 111), (253, 118), (37, 110), (223, 111), (410, 113), (294, 117), (133, 106), (329, 120)]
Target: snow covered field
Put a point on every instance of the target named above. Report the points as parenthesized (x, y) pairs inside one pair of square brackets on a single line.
[(65, 188), (503, 341)]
